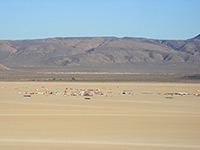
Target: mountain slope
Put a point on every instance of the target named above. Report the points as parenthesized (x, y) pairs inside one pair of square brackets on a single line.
[(4, 68), (99, 51)]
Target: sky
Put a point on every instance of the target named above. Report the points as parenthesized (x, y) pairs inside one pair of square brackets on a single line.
[(157, 19)]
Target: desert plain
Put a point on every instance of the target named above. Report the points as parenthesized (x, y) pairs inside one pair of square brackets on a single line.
[(125, 116)]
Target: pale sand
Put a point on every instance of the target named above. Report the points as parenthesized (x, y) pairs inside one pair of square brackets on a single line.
[(112, 122)]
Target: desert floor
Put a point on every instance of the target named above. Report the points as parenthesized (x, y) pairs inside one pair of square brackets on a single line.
[(113, 121)]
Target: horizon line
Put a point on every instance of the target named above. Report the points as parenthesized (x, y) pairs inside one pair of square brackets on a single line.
[(109, 36)]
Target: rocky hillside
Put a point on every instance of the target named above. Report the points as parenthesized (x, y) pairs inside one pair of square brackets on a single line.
[(98, 51)]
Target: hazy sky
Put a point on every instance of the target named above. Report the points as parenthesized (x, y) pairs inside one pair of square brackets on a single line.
[(162, 19)]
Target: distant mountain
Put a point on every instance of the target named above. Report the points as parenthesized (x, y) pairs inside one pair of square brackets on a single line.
[(197, 37), (102, 51)]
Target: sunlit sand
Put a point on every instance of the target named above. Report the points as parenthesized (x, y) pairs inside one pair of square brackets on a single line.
[(145, 117)]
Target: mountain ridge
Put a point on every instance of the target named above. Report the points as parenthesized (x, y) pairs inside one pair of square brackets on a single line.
[(99, 51)]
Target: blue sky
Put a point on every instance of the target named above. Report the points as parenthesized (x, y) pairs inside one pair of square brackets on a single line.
[(158, 19)]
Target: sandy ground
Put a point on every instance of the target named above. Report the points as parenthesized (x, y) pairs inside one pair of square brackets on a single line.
[(112, 121)]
